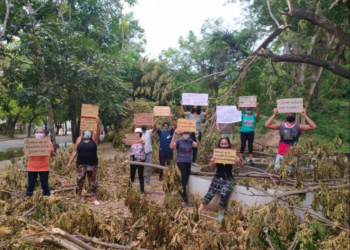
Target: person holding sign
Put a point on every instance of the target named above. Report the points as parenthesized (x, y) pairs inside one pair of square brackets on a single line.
[(87, 161), (137, 153), (184, 146), (247, 131), (39, 165), (223, 182), (289, 132), (147, 136), (165, 152), (197, 115)]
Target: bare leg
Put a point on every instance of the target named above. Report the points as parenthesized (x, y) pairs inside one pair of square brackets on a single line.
[(201, 207)]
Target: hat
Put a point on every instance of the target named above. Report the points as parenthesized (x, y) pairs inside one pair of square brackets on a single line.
[(138, 130)]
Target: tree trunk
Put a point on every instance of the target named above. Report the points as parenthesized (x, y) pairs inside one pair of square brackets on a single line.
[(72, 115), (76, 133), (46, 130), (11, 124), (51, 124), (65, 128), (58, 129)]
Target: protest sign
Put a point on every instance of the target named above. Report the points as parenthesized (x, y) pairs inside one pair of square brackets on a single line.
[(133, 138), (194, 99), (144, 119), (88, 124), (89, 111), (247, 101), (228, 114), (184, 125), (37, 147), (227, 156), (291, 105), (161, 111)]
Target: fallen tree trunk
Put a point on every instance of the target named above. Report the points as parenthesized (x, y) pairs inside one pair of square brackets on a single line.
[(73, 239)]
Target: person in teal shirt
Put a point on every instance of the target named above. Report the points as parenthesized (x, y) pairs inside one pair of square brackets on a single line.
[(198, 115), (247, 131)]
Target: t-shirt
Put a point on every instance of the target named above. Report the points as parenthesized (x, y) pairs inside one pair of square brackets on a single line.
[(223, 170), (248, 123), (39, 163), (148, 138), (199, 118), (137, 152), (226, 128), (165, 139), (294, 131), (184, 150)]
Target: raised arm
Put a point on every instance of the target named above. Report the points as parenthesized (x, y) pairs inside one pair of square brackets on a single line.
[(182, 109), (269, 124), (197, 143), (218, 127), (174, 122), (133, 128), (154, 128), (257, 110), (311, 125), (74, 153), (206, 110), (172, 143), (238, 106), (97, 135)]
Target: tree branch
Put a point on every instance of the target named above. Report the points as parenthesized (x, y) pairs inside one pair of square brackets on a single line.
[(308, 59), (6, 18), (321, 21), (271, 15), (122, 27)]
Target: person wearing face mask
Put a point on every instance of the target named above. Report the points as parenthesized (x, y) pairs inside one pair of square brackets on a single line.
[(137, 153), (39, 165), (165, 152), (197, 115), (184, 147), (247, 131), (87, 161), (223, 181), (147, 136), (289, 133)]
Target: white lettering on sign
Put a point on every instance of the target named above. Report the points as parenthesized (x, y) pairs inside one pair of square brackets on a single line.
[(291, 105), (194, 99)]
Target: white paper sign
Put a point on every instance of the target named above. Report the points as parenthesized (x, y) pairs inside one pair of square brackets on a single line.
[(194, 99), (228, 114), (291, 105)]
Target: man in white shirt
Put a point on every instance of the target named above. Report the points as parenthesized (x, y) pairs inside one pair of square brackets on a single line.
[(147, 136)]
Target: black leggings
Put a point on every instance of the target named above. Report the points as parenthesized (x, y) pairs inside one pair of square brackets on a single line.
[(185, 169), (164, 157), (44, 180), (133, 174), (244, 137)]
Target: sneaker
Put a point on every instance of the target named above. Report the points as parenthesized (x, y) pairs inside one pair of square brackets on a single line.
[(96, 202), (251, 162), (221, 215), (188, 204), (195, 164)]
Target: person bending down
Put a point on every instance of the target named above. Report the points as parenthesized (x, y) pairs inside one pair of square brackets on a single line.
[(223, 182)]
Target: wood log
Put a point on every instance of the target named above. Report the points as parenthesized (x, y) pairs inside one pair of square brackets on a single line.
[(73, 239)]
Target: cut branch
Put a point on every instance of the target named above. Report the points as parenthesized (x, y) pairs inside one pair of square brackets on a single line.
[(308, 59), (73, 239), (122, 28), (321, 21)]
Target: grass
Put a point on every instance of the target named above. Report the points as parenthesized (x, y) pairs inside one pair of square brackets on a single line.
[(8, 155)]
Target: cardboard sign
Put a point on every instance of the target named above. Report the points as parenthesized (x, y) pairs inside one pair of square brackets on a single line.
[(227, 156), (228, 114), (89, 111), (37, 147), (184, 125), (133, 138), (144, 119), (292, 105), (247, 101), (88, 124), (194, 99), (161, 111)]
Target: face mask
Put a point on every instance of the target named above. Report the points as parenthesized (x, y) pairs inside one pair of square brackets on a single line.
[(166, 129), (225, 147), (87, 134), (248, 111), (39, 135), (194, 110), (144, 128), (290, 118), (185, 136)]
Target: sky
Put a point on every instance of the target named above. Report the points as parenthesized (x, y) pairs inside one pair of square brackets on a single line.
[(164, 21)]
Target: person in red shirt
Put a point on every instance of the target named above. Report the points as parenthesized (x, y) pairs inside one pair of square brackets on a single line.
[(289, 132), (39, 165)]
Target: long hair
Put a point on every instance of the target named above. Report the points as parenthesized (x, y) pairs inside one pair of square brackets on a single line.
[(199, 110), (224, 138)]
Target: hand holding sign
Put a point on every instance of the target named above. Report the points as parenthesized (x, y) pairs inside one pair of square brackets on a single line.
[(89, 114), (291, 105), (194, 99), (37, 147), (247, 101), (144, 119), (227, 156), (133, 138), (161, 111), (185, 125)]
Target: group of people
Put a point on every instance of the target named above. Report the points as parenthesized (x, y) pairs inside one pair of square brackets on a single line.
[(187, 145)]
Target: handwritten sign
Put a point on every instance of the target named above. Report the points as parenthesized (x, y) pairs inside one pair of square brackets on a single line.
[(194, 99), (89, 110), (247, 101), (161, 111), (144, 119), (184, 125), (37, 147), (88, 124), (228, 114), (227, 156), (291, 105), (133, 138)]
